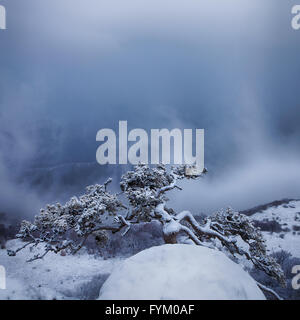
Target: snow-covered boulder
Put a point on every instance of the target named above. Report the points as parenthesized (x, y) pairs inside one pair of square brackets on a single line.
[(179, 272)]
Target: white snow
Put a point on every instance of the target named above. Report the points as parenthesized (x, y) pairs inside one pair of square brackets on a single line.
[(166, 272), (288, 216), (290, 243), (179, 272), (53, 277)]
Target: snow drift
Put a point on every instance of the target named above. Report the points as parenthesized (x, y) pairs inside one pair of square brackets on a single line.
[(180, 271)]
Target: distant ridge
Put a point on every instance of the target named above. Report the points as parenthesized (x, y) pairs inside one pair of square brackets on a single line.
[(260, 208)]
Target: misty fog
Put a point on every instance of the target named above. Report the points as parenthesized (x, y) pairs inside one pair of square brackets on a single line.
[(68, 70)]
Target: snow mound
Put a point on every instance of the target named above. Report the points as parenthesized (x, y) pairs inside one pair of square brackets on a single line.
[(174, 272)]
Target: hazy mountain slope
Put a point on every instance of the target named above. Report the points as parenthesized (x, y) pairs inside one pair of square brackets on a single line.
[(280, 224)]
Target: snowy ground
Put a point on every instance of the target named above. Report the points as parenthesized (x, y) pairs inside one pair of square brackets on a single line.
[(176, 273), (288, 217), (81, 276), (290, 243), (54, 277)]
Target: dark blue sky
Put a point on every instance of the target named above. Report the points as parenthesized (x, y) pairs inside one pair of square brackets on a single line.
[(69, 68)]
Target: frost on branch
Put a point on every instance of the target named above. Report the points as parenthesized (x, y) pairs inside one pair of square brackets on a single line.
[(227, 230), (66, 227), (145, 188), (233, 224)]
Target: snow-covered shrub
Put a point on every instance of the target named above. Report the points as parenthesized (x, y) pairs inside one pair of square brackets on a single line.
[(287, 262), (235, 225), (270, 226), (68, 227)]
